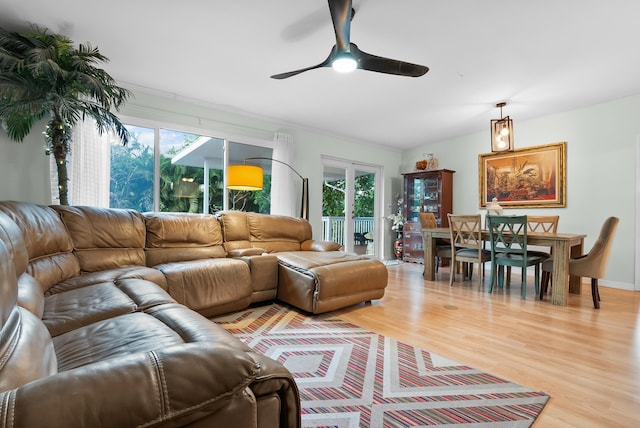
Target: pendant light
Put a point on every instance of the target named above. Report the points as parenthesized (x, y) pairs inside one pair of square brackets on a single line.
[(501, 132)]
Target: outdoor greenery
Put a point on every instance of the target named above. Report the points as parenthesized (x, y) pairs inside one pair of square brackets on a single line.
[(333, 197), (44, 74), (131, 184)]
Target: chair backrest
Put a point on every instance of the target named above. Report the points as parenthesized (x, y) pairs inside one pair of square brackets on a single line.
[(428, 220), (508, 234), (466, 231), (543, 223), (594, 264)]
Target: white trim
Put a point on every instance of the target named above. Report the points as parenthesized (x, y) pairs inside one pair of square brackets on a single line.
[(207, 132), (611, 284), (637, 220)]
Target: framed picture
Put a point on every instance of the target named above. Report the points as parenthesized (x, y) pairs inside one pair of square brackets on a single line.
[(532, 177)]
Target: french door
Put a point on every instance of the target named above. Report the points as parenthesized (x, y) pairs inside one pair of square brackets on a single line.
[(351, 205)]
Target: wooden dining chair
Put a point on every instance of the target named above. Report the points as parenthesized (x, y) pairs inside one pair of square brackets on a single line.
[(542, 224), (466, 244), (443, 248), (591, 265), (508, 240)]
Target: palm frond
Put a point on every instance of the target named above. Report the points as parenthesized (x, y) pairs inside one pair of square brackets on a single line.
[(41, 74)]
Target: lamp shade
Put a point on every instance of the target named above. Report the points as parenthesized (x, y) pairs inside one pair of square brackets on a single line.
[(244, 177)]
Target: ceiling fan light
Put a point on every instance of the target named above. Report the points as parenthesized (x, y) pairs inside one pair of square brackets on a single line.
[(344, 63)]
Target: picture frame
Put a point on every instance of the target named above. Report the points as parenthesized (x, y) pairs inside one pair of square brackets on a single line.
[(531, 177)]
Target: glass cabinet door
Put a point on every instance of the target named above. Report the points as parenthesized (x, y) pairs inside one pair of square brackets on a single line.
[(431, 198), (429, 191)]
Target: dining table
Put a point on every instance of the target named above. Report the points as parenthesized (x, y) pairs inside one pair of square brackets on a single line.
[(563, 247)]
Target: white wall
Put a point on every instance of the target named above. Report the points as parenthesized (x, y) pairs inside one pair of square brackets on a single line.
[(601, 173), (24, 168)]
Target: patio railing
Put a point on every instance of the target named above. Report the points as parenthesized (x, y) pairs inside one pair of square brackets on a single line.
[(333, 227)]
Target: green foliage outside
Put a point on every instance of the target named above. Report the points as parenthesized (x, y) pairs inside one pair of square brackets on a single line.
[(333, 197), (131, 184)]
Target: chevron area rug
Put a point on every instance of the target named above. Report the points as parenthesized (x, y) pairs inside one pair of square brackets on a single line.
[(352, 377)]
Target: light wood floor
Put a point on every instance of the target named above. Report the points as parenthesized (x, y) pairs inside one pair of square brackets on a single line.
[(587, 360)]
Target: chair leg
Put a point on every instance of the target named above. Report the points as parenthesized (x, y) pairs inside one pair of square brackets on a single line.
[(452, 270), (492, 277), (547, 280), (595, 293), (500, 276)]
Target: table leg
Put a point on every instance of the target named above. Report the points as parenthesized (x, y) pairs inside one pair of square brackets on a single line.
[(560, 289), (429, 256), (575, 282)]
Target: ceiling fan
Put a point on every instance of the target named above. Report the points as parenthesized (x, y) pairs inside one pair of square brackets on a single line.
[(346, 56)]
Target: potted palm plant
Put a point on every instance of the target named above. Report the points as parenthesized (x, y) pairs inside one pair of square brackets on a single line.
[(45, 75)]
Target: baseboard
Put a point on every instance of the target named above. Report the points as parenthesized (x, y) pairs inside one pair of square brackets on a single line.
[(611, 284)]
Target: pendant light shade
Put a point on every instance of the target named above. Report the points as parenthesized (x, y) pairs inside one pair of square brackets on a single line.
[(244, 177), (501, 132)]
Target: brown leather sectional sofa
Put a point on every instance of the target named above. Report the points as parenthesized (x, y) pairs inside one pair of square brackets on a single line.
[(101, 314)]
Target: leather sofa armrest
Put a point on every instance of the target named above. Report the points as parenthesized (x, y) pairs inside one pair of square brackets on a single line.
[(312, 245), (244, 252), (175, 386), (274, 378)]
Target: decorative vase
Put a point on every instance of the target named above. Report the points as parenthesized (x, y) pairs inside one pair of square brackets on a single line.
[(397, 246)]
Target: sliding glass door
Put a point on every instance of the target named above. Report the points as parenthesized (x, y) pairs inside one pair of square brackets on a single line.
[(350, 205)]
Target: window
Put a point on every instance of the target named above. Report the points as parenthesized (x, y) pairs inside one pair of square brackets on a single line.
[(162, 170)]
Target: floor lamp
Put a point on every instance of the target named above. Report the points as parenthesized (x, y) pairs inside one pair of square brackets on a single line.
[(249, 177)]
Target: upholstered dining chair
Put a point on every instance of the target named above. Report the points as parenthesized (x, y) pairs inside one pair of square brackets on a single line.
[(466, 244), (591, 265), (508, 240), (543, 224), (443, 248)]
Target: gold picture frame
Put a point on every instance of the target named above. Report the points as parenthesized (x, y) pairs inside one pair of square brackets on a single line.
[(532, 177)]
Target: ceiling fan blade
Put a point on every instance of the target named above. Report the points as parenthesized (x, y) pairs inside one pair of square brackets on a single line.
[(324, 63), (380, 64), (341, 12)]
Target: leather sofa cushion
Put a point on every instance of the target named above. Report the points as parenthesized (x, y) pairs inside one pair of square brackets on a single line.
[(235, 229), (26, 350), (274, 228), (180, 230), (176, 237), (209, 286), (112, 337), (104, 238), (272, 233), (157, 328), (308, 260), (73, 307), (45, 237), (30, 295), (111, 275)]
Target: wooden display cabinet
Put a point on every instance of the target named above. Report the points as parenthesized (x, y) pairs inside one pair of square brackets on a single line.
[(428, 191)]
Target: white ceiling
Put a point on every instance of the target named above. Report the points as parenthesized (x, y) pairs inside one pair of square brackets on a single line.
[(540, 56)]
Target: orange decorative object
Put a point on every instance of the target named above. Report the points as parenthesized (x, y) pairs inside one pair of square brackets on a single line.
[(422, 164)]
